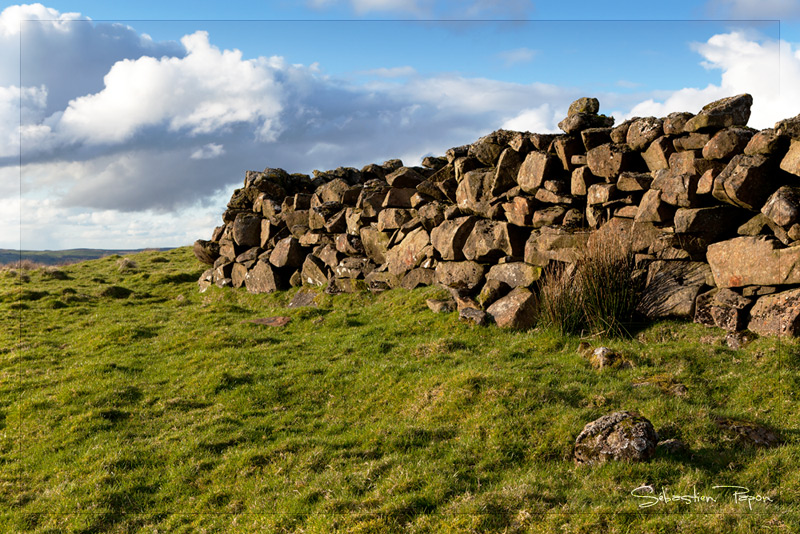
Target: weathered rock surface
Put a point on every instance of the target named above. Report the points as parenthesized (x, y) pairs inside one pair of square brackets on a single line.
[(776, 315), (620, 436), (517, 310), (748, 261)]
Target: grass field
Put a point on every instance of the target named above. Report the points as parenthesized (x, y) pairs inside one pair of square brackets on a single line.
[(130, 402)]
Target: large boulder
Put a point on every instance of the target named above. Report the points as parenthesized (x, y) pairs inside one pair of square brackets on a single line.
[(620, 436), (247, 230), (409, 253), (491, 240), (746, 181), (537, 167), (206, 251), (515, 274), (449, 237), (287, 253), (753, 261), (777, 314), (730, 111), (461, 275), (517, 310)]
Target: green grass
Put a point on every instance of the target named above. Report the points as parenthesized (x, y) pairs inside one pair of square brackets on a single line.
[(161, 409)]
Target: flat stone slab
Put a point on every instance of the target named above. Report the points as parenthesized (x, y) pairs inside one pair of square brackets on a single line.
[(753, 261)]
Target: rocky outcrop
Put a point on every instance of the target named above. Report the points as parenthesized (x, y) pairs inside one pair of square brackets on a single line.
[(710, 207)]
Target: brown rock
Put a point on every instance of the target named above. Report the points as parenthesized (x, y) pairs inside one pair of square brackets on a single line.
[(692, 141), (520, 211), (491, 240), (634, 182), (473, 315), (620, 436), (746, 261), (393, 218), (789, 127), (783, 206), (471, 191), (549, 216), (601, 193), (767, 142), (247, 230), (653, 209), (644, 131), (462, 275), (581, 179), (287, 253), (375, 243), (262, 278), (409, 253), (672, 287), (314, 271), (746, 181), (577, 122), (584, 105), (206, 251), (791, 162), (449, 237), (620, 132), (515, 274), (608, 160), (594, 137), (505, 176), (730, 111), (566, 147), (676, 189), (517, 310), (537, 167), (708, 223), (404, 178), (563, 246), (727, 143), (777, 315), (657, 154), (674, 122)]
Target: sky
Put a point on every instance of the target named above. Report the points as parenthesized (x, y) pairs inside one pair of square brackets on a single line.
[(129, 124)]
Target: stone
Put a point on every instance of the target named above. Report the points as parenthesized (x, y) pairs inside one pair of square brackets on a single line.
[(505, 176), (706, 182), (470, 194), (609, 160), (353, 268), (727, 143), (791, 162), (431, 215), (747, 434), (644, 131), (287, 253), (767, 142), (789, 127), (776, 315), (409, 253), (675, 122), (262, 278), (314, 271), (600, 193), (783, 206), (418, 277), (620, 132), (537, 167), (515, 274), (247, 230), (486, 150), (594, 137), (332, 191), (581, 179), (398, 198), (473, 315), (491, 240), (634, 182), (375, 243), (584, 105), (672, 287), (378, 281), (517, 310), (565, 247), (653, 209), (692, 141), (756, 260), (238, 274), (657, 154), (549, 197), (576, 122), (461, 275), (676, 189), (730, 111), (692, 162), (404, 177), (449, 237), (393, 218), (620, 436), (304, 298), (206, 251), (320, 216), (549, 216), (520, 210), (566, 147), (709, 223), (441, 305)]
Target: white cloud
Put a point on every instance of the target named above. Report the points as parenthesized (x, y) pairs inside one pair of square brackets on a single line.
[(517, 55), (436, 9), (768, 70), (209, 151), (392, 72), (204, 92)]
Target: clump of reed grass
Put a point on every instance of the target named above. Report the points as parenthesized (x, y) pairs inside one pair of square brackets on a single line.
[(598, 294)]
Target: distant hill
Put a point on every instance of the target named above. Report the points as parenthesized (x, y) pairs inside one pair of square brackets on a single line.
[(63, 257)]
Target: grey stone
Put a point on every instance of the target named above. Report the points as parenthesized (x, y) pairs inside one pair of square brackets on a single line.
[(620, 436)]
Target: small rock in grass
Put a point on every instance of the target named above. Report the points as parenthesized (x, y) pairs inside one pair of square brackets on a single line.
[(441, 305), (620, 436)]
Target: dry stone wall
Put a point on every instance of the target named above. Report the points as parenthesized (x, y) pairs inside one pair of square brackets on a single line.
[(710, 207)]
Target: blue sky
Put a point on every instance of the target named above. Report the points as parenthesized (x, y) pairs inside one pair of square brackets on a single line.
[(140, 118)]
